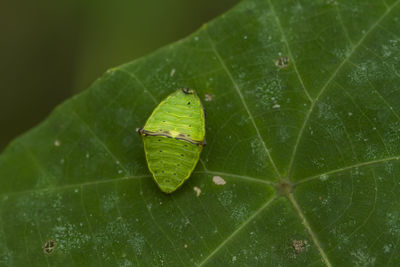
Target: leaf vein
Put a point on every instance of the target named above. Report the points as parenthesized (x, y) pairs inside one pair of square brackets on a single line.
[(332, 77), (278, 23), (236, 86), (309, 230), (234, 233), (307, 179)]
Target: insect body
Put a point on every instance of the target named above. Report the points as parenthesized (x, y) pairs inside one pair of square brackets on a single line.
[(173, 138)]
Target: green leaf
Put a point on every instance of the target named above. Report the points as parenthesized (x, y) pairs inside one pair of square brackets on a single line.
[(301, 167)]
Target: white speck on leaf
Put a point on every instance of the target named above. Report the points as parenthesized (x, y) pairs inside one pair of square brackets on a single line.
[(57, 143), (218, 180), (172, 72), (387, 248), (208, 97), (234, 259), (324, 177)]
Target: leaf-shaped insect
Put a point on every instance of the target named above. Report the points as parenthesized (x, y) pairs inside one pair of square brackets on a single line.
[(173, 138)]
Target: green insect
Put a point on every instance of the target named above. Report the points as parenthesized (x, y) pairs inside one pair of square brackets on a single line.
[(173, 138)]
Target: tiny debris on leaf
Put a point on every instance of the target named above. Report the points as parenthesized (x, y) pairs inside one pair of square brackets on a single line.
[(197, 190), (299, 245), (49, 246), (282, 62), (208, 97)]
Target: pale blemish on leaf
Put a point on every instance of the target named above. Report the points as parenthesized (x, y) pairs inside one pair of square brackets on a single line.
[(123, 232), (57, 143), (325, 111), (393, 222), (365, 72), (68, 237), (387, 248), (341, 53), (371, 152), (268, 92), (197, 190), (125, 263), (109, 201), (258, 150), (239, 213), (218, 180), (234, 258), (225, 198), (283, 134), (137, 241), (5, 255), (276, 106), (390, 49), (361, 258), (335, 131)]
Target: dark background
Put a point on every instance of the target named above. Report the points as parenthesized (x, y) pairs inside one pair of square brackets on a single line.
[(50, 50)]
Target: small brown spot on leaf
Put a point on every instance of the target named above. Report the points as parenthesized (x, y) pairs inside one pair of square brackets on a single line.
[(49, 246), (282, 62), (299, 246)]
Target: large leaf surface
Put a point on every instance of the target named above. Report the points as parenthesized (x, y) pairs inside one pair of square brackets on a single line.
[(309, 151)]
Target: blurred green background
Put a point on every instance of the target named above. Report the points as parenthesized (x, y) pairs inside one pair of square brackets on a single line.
[(50, 50)]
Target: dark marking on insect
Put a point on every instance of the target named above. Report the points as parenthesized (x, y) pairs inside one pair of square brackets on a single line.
[(197, 143), (49, 246), (187, 91)]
